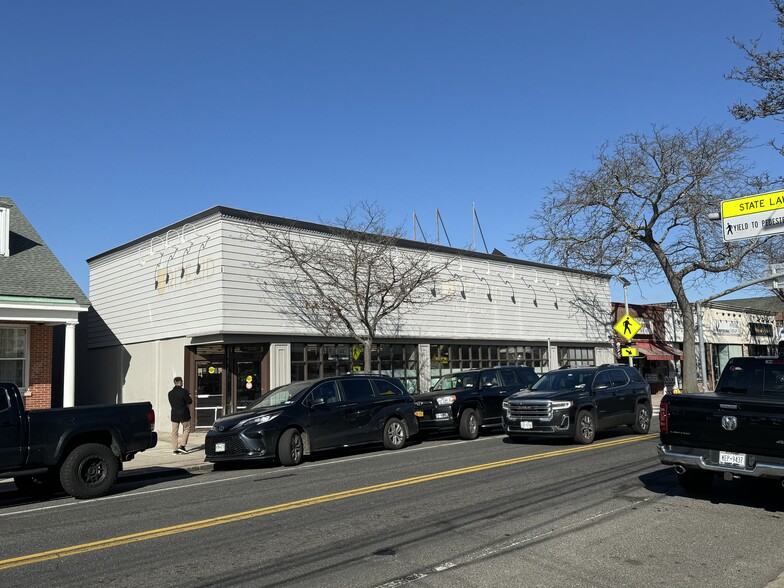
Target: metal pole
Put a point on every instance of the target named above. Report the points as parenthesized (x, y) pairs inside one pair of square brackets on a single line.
[(626, 304), (701, 343)]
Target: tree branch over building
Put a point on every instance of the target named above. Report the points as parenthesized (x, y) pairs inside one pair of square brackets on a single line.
[(353, 279), (642, 213)]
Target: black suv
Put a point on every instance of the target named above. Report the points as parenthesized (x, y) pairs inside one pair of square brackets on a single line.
[(297, 419), (466, 401), (577, 402)]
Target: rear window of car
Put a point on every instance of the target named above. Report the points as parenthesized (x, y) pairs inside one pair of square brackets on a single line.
[(386, 388)]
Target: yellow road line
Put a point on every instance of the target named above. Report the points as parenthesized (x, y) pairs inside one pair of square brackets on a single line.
[(260, 512)]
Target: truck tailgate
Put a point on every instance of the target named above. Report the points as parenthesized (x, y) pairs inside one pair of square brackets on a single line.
[(729, 422)]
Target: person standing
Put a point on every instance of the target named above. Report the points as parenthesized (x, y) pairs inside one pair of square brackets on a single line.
[(180, 401)]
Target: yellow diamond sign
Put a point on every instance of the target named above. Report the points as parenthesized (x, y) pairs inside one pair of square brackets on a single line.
[(627, 327)]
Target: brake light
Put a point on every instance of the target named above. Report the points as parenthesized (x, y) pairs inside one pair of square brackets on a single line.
[(151, 419), (664, 416)]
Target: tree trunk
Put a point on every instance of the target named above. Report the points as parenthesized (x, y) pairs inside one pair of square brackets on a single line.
[(368, 360), (689, 355)]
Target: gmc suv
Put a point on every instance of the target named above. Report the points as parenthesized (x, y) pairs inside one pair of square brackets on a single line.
[(578, 402)]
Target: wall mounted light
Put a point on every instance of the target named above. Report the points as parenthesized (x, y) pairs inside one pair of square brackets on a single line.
[(481, 279)]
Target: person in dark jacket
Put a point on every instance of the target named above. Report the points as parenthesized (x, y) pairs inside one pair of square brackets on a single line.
[(180, 400)]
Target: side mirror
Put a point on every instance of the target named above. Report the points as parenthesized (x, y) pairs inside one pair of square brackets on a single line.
[(317, 402)]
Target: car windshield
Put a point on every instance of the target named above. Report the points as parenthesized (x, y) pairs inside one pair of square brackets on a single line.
[(454, 381), (281, 395), (564, 380)]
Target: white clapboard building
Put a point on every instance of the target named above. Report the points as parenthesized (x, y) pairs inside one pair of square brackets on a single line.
[(190, 300)]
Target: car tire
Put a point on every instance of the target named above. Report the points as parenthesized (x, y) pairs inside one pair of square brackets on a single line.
[(394, 434), (89, 471), (469, 424), (290, 448), (696, 481), (585, 427), (40, 486), (642, 419)]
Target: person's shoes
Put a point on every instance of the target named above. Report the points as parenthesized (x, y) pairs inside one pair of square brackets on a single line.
[(179, 452), (183, 449)]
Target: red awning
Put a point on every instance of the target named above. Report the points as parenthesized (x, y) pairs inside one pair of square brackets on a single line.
[(658, 351)]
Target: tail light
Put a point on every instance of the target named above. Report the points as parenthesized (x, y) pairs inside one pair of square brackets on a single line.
[(664, 416), (151, 419)]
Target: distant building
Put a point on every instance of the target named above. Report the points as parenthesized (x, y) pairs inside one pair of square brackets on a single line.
[(39, 310)]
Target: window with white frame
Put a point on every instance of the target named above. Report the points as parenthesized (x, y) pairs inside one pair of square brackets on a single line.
[(5, 228), (13, 355)]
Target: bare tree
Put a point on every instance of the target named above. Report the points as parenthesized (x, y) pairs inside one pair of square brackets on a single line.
[(642, 213), (765, 71), (353, 279)]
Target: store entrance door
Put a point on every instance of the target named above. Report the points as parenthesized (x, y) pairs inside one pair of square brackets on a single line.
[(209, 393)]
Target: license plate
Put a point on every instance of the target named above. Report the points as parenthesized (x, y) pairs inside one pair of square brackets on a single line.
[(732, 459), (419, 413), (220, 447), (526, 425)]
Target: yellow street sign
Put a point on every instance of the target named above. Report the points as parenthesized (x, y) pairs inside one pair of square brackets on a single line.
[(628, 352), (752, 216), (627, 327)]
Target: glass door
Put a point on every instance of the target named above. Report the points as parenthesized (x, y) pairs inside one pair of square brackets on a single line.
[(209, 393), (248, 374)]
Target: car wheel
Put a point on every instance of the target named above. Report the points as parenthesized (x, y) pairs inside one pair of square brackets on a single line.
[(469, 424), (89, 471), (642, 419), (394, 434), (696, 481), (40, 486), (586, 427), (290, 448)]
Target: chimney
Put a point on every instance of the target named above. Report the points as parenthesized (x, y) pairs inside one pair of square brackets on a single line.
[(5, 229)]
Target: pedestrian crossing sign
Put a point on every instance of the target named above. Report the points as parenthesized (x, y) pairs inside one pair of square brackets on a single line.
[(627, 327)]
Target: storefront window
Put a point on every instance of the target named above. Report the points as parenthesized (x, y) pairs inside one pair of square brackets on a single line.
[(576, 356), (445, 359), (13, 356)]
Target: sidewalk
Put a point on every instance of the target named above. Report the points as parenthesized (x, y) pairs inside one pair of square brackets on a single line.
[(159, 461)]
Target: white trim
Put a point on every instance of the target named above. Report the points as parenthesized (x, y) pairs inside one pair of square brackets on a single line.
[(5, 231)]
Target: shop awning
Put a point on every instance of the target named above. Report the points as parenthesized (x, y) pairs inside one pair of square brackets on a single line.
[(658, 351)]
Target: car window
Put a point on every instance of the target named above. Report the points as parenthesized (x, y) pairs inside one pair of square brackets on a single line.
[(741, 379), (454, 381), (357, 389), (282, 395), (490, 379), (386, 388), (602, 379), (508, 377), (527, 376), (4, 404), (563, 380), (634, 375), (328, 392), (618, 378), (774, 380)]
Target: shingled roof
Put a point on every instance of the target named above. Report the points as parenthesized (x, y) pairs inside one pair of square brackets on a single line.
[(32, 270)]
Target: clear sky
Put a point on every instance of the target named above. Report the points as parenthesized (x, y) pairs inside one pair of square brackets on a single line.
[(117, 119)]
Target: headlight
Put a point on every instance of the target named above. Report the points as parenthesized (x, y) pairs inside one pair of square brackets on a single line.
[(257, 420), (562, 404), (505, 405), (444, 400)]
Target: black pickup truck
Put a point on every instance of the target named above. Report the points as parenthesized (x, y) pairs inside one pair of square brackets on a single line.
[(736, 431), (79, 449), (466, 401), (577, 402)]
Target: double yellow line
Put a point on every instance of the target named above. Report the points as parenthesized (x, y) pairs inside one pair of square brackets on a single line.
[(24, 560)]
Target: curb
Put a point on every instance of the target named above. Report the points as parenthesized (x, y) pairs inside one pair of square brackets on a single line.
[(164, 472)]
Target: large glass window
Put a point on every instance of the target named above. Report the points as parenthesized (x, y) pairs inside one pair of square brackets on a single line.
[(319, 360), (576, 356), (13, 355), (445, 359)]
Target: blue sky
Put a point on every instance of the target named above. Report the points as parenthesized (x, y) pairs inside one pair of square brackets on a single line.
[(117, 119)]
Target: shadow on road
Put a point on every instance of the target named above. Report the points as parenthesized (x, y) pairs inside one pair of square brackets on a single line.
[(750, 492)]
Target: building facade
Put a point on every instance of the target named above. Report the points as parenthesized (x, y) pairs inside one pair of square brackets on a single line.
[(190, 299), (40, 304)]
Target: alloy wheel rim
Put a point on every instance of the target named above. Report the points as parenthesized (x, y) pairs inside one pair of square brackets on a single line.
[(644, 419), (396, 433), (586, 426), (296, 446)]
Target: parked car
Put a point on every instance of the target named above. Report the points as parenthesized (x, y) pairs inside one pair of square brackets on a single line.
[(464, 402), (578, 402), (78, 449), (300, 418), (736, 431)]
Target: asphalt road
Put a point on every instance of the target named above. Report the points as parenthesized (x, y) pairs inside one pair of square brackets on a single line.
[(440, 513)]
